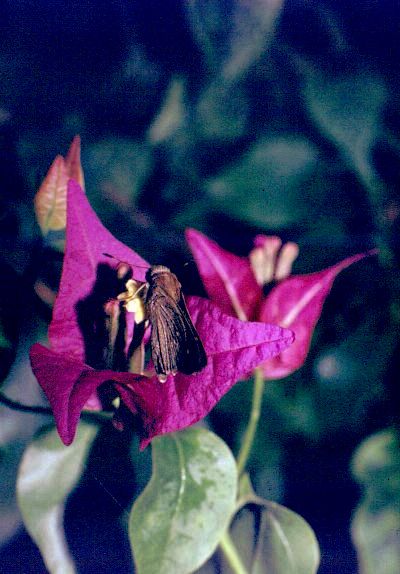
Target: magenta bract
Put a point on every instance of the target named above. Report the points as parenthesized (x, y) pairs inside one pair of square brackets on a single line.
[(66, 371), (87, 243), (294, 302), (228, 279)]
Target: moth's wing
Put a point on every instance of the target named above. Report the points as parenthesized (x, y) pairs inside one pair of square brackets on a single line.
[(191, 354), (164, 344), (175, 343)]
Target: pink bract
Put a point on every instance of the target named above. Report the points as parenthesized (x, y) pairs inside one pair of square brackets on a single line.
[(295, 302), (234, 348)]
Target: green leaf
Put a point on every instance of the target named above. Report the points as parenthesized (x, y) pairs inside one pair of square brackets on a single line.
[(272, 539), (116, 170), (222, 112), (376, 522), (232, 49), (348, 111), (48, 473), (178, 520), (271, 185), (171, 115)]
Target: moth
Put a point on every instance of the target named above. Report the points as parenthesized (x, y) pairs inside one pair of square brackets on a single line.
[(175, 343)]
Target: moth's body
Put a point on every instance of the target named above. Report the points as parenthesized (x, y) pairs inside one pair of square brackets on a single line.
[(161, 279), (175, 343)]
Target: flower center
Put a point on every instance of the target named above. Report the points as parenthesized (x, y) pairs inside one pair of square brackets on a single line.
[(125, 321), (270, 261), (132, 299)]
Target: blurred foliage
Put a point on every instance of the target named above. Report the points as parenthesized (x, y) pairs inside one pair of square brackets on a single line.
[(233, 117), (48, 473), (376, 522)]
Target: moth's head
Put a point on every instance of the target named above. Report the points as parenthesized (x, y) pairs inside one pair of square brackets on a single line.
[(155, 271)]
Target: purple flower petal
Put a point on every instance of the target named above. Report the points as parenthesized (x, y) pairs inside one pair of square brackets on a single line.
[(228, 279), (234, 349), (68, 384), (87, 240), (296, 303)]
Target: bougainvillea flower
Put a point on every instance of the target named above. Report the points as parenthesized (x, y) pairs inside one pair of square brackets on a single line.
[(237, 285), (75, 367)]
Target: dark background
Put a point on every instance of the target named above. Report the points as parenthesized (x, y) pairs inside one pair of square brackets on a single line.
[(235, 122)]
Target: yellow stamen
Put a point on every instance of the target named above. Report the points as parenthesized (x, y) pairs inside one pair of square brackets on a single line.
[(132, 300), (286, 258), (116, 402), (263, 260)]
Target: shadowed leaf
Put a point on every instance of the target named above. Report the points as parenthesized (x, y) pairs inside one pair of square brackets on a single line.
[(268, 185), (236, 45), (348, 110), (376, 523), (48, 473), (271, 538)]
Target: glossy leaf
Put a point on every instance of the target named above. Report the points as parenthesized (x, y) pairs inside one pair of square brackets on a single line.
[(273, 539), (376, 523), (177, 522), (48, 473)]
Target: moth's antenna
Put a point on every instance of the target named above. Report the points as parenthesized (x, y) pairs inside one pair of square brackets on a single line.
[(120, 261), (124, 510)]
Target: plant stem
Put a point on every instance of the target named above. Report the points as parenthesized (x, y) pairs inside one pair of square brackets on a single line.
[(248, 439), (39, 410), (16, 406), (231, 554)]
